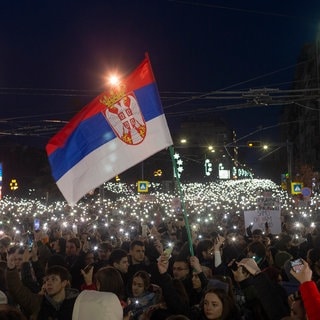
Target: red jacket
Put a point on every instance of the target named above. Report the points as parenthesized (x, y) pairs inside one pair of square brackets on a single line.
[(311, 299)]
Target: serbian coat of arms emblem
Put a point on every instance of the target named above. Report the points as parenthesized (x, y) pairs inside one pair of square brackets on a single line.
[(126, 120)]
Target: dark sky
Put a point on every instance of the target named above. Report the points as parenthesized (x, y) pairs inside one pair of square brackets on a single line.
[(55, 54)]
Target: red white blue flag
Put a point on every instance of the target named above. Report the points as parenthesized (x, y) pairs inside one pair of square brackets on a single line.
[(114, 132)]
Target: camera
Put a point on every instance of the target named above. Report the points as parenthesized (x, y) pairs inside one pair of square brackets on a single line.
[(234, 266)]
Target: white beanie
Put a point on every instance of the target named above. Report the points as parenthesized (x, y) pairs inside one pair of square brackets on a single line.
[(97, 305)]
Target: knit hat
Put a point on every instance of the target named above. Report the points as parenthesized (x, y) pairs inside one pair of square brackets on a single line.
[(281, 257)]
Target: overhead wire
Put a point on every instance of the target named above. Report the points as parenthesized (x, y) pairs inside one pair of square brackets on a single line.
[(244, 10)]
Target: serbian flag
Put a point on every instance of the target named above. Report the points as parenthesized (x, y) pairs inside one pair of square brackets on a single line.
[(117, 130)]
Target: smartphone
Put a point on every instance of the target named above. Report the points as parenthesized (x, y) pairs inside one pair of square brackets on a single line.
[(29, 242), (30, 245), (296, 265), (168, 252), (36, 224)]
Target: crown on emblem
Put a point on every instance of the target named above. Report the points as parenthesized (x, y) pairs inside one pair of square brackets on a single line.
[(116, 93)]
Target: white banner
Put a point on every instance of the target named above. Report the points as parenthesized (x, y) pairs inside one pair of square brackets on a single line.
[(259, 218)]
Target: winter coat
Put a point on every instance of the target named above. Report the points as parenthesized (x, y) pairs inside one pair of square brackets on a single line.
[(51, 310), (36, 306), (311, 299), (137, 305), (262, 298)]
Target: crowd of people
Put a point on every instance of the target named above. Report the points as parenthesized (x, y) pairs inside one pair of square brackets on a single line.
[(143, 259)]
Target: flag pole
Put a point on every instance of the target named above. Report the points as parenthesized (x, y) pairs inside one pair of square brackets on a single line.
[(184, 211)]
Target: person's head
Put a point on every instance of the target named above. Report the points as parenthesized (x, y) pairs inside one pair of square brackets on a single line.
[(196, 282), (57, 279), (73, 247), (140, 283), (217, 304), (257, 251), (4, 244), (89, 257), (284, 242), (55, 232), (313, 257), (177, 317), (109, 279), (59, 246), (55, 259), (204, 250), (223, 283), (137, 251), (180, 269), (18, 257), (257, 235), (104, 251), (281, 257), (273, 273), (119, 260)]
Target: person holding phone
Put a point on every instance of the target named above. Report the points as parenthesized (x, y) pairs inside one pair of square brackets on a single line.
[(308, 289)]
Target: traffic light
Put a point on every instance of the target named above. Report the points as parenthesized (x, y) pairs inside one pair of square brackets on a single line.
[(254, 144), (157, 173), (207, 167), (13, 184)]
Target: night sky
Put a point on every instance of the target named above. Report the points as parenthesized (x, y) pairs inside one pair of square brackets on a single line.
[(55, 55)]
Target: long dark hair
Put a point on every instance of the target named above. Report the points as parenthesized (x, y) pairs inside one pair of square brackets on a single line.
[(110, 280), (229, 308)]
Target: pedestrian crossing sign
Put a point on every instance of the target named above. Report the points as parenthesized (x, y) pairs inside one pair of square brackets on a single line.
[(296, 187), (143, 186)]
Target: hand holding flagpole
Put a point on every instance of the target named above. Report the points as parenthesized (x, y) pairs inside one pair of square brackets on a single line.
[(184, 211)]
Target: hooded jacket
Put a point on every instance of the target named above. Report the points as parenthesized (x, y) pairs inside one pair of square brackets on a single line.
[(97, 305)]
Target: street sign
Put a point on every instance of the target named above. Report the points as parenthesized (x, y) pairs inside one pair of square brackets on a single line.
[(143, 186), (306, 192), (296, 187)]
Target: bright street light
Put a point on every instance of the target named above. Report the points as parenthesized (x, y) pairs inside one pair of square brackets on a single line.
[(113, 80)]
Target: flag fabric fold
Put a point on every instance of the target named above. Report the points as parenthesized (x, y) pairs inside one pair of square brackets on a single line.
[(114, 132)]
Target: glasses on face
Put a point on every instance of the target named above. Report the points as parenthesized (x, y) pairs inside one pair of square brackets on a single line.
[(179, 269)]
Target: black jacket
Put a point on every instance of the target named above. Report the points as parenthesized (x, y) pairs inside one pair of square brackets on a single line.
[(49, 310), (263, 298)]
